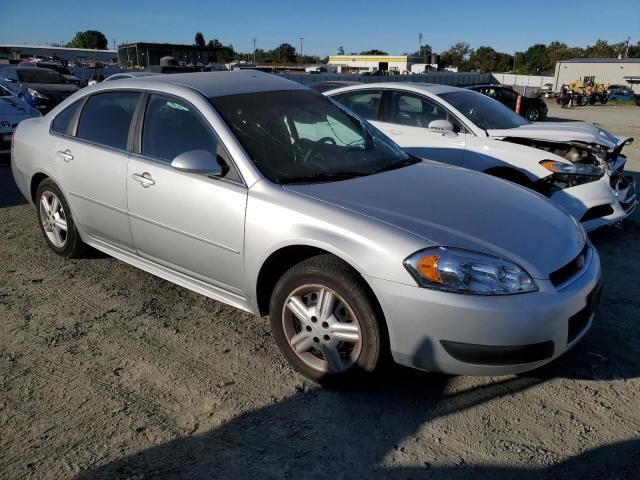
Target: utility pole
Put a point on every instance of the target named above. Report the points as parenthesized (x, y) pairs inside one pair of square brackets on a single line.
[(301, 57), (254, 50), (420, 47), (114, 43), (626, 50)]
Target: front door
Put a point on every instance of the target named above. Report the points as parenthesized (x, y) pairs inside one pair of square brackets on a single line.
[(407, 123), (188, 222)]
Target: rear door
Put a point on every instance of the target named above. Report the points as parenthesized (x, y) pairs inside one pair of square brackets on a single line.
[(188, 222), (91, 155)]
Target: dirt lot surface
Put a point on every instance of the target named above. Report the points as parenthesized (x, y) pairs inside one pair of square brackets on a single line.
[(108, 372)]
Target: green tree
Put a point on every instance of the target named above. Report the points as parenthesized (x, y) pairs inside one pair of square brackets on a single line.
[(285, 53), (601, 49), (534, 59), (340, 50), (215, 43), (456, 55), (373, 52), (199, 40), (89, 39)]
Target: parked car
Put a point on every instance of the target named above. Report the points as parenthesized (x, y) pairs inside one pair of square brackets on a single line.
[(621, 95), (532, 108), (39, 87), (261, 193), (125, 75), (12, 111), (58, 67), (464, 128)]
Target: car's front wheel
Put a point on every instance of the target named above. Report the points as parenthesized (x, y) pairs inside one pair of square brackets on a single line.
[(56, 222), (325, 322)]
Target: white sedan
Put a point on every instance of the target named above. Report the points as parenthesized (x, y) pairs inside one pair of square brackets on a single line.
[(467, 129)]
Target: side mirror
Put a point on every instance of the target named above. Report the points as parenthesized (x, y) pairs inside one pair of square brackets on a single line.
[(444, 127), (198, 161)]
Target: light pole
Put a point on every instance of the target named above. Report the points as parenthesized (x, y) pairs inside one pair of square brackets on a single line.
[(301, 57), (420, 47), (254, 50)]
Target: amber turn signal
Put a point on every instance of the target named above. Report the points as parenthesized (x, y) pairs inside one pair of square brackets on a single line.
[(428, 267)]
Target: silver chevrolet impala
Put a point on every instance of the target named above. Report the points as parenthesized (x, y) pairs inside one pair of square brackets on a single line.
[(265, 195)]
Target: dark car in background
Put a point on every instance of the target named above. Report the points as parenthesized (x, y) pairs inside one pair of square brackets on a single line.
[(41, 88), (532, 108)]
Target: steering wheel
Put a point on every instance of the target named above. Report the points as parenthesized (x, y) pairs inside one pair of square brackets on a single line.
[(312, 152)]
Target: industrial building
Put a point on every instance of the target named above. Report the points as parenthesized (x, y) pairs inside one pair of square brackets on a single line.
[(15, 53), (392, 64), (144, 54), (619, 71)]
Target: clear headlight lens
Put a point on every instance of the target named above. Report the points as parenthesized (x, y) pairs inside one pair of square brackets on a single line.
[(463, 271), (569, 169), (35, 93)]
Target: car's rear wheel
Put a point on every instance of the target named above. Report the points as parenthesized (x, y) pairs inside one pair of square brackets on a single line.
[(56, 222), (533, 114), (325, 322)]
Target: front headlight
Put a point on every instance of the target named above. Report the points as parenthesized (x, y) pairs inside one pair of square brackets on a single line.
[(35, 93), (463, 271), (560, 168)]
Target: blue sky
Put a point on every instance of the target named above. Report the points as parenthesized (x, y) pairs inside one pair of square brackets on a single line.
[(326, 25)]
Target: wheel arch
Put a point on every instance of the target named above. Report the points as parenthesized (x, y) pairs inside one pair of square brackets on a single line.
[(36, 180)]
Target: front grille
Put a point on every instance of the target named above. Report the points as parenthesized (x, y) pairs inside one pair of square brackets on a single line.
[(570, 269), (597, 212), (580, 320)]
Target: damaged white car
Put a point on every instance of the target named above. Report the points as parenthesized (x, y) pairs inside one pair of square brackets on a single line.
[(577, 165)]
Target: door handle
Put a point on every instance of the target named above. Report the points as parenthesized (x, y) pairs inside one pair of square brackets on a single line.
[(66, 155), (144, 178)]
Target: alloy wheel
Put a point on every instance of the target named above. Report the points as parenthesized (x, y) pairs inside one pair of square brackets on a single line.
[(322, 329), (53, 218)]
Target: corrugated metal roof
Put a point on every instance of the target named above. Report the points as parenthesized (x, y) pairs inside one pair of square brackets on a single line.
[(601, 60)]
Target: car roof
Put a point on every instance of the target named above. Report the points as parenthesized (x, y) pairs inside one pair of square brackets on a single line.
[(220, 84), (432, 88)]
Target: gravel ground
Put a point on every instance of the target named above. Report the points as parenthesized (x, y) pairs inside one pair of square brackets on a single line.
[(108, 372)]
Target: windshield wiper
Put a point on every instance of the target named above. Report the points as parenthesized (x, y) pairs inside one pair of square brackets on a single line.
[(324, 177)]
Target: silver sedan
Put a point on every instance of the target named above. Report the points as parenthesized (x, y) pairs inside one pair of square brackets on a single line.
[(263, 194)]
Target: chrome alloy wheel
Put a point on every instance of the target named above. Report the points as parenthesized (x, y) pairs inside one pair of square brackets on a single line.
[(322, 328), (54, 219)]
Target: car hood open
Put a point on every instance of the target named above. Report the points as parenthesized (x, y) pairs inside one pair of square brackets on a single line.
[(563, 132), (454, 207)]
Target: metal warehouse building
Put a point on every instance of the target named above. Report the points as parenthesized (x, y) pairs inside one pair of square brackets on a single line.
[(619, 71), (14, 53), (144, 54)]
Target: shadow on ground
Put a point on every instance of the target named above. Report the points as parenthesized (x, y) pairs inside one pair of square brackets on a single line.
[(318, 434)]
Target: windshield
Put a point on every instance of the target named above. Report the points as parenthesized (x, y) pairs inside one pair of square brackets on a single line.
[(485, 112), (40, 75), (61, 69), (301, 136)]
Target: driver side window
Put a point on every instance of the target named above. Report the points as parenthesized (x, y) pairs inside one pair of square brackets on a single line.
[(416, 111)]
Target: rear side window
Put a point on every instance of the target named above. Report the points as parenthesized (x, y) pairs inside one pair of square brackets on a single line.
[(106, 118), (61, 123), (365, 104)]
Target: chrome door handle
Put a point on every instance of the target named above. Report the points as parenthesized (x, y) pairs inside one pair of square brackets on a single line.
[(144, 178), (66, 155)]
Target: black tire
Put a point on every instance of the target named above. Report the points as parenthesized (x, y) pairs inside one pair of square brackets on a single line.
[(533, 114), (73, 246), (330, 272)]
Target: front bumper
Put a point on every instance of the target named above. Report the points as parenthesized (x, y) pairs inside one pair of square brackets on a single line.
[(607, 201), (423, 324)]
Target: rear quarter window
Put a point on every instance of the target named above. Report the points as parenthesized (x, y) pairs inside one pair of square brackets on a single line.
[(62, 122)]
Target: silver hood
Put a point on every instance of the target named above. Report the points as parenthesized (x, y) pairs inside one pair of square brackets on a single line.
[(563, 132), (461, 208)]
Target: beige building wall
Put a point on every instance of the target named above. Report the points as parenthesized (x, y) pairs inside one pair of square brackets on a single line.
[(611, 72)]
